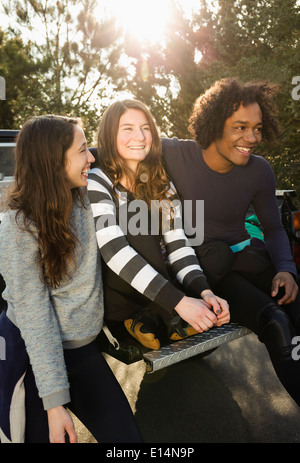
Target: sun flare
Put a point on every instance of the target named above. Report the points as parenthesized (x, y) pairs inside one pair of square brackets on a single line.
[(143, 20)]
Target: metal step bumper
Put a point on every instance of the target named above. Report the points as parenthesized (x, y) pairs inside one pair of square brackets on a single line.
[(194, 345)]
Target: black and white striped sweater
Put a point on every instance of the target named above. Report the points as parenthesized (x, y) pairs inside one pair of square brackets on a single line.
[(136, 271)]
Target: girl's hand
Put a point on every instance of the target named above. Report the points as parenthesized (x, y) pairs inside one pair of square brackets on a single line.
[(218, 305), (197, 313), (60, 423)]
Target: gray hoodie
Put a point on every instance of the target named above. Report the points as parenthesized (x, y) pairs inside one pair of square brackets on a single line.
[(52, 319)]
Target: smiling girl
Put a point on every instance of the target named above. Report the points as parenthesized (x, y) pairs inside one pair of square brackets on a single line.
[(150, 279), (51, 266)]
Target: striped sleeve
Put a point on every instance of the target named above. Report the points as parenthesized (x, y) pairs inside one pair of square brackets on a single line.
[(119, 256), (181, 256)]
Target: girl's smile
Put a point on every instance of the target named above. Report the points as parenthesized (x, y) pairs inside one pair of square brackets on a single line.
[(78, 160)]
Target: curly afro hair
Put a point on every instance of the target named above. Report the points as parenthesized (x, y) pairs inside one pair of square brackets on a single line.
[(219, 102)]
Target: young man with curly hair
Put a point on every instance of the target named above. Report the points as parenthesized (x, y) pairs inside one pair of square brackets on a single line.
[(257, 278)]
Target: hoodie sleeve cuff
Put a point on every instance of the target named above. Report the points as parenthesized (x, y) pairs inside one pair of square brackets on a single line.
[(169, 296), (196, 286), (56, 399)]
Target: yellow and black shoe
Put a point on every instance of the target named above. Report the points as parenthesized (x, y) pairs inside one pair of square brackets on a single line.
[(180, 330), (143, 330)]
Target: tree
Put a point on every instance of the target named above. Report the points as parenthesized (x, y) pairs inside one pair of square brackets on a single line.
[(244, 39), (21, 75), (76, 68), (79, 55), (169, 73), (265, 46)]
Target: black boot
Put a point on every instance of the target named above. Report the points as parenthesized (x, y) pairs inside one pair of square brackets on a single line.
[(277, 333)]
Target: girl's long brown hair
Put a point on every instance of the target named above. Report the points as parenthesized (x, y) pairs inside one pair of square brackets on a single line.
[(150, 182), (42, 193)]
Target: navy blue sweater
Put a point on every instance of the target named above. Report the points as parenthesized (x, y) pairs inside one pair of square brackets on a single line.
[(227, 198)]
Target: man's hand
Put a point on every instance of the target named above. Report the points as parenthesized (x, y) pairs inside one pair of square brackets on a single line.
[(284, 280)]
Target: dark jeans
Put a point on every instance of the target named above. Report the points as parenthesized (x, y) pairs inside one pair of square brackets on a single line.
[(248, 295), (96, 399)]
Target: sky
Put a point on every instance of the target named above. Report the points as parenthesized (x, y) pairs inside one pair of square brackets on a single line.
[(145, 19)]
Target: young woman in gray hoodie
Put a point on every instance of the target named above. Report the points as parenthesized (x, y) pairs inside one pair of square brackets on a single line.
[(52, 270)]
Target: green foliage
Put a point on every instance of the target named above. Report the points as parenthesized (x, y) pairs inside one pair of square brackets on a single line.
[(75, 64), (244, 39), (21, 75), (76, 68)]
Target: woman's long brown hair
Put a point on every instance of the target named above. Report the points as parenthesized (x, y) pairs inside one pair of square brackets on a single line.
[(150, 182), (42, 193)]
